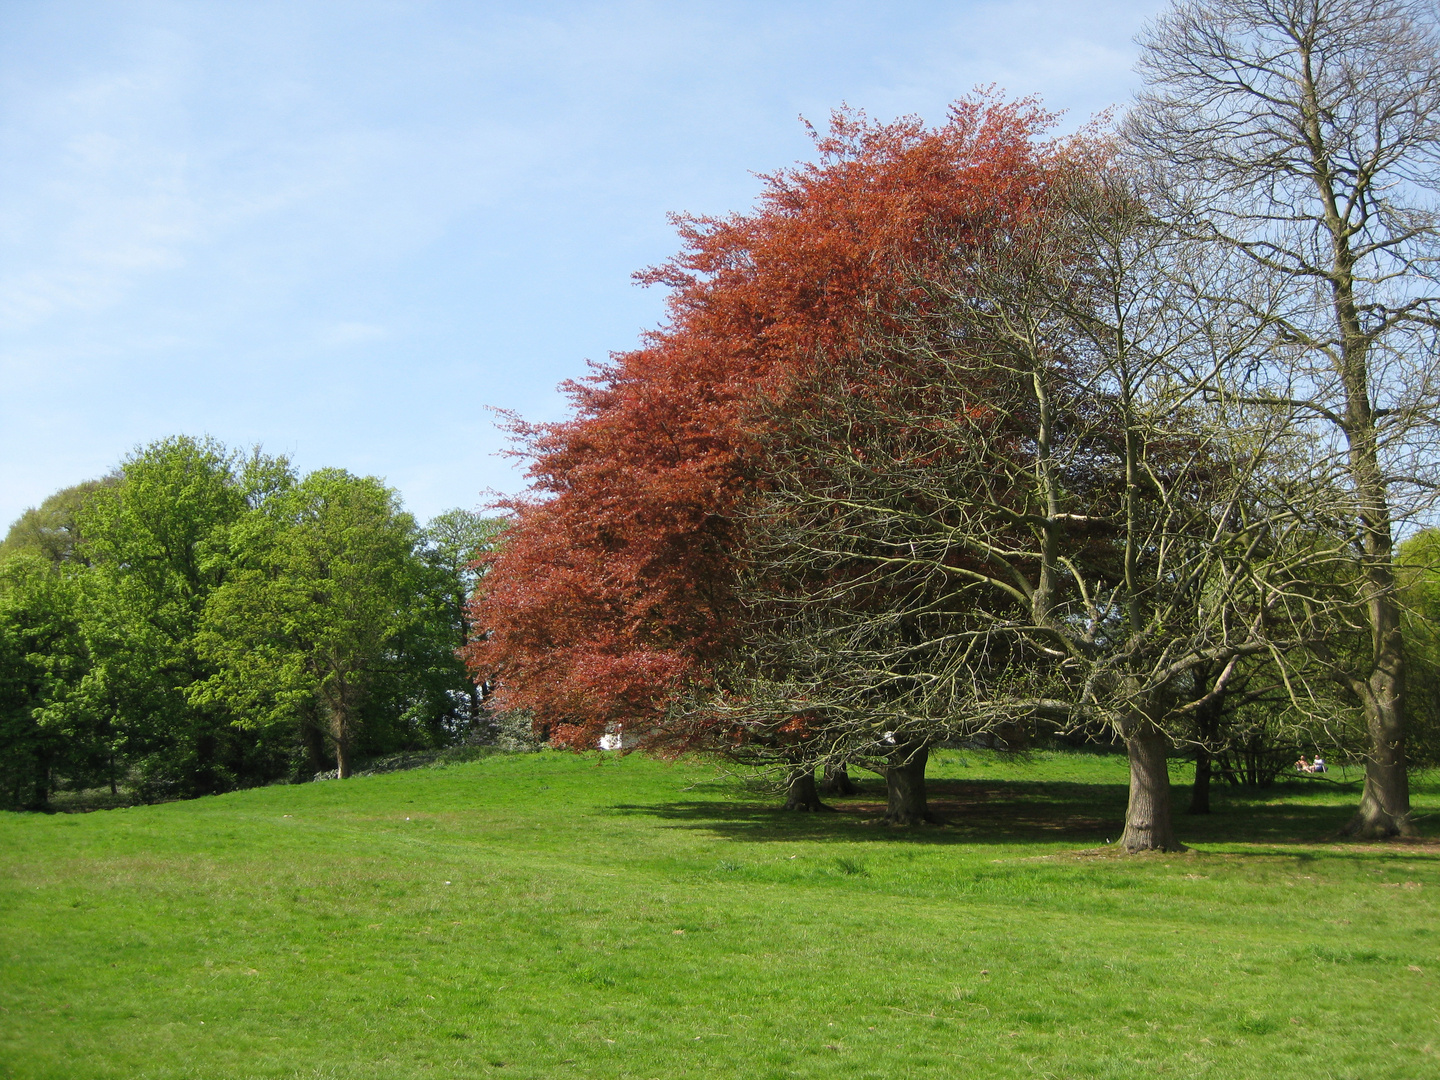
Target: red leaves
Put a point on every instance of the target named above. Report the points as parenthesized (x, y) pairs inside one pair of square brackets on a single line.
[(612, 590)]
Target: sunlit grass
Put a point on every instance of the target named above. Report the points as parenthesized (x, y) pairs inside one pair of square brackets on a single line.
[(547, 915)]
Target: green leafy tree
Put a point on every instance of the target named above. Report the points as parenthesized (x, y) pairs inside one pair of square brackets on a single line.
[(1419, 576), (159, 543), (311, 624), (42, 658), (51, 530), (454, 547)]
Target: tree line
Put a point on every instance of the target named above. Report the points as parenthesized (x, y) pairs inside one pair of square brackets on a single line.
[(974, 432), (204, 619)]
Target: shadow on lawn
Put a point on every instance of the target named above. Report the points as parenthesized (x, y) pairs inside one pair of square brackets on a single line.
[(1008, 812)]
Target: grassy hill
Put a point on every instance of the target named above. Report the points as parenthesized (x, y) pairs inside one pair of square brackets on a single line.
[(549, 915)]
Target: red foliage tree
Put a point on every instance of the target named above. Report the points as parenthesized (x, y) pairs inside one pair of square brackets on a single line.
[(612, 591)]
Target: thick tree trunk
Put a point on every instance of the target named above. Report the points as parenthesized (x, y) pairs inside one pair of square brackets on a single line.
[(343, 766), (1385, 801), (905, 787), (801, 793), (837, 781), (1148, 825), (340, 736), (1200, 792), (338, 706)]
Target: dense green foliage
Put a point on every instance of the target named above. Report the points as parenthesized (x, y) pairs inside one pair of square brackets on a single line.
[(160, 546), (205, 620), (551, 915), (52, 530), (1420, 591), (42, 656)]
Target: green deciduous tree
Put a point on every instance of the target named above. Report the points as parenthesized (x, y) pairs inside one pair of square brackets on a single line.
[(1419, 578), (159, 544), (454, 549), (202, 619), (51, 529), (314, 618), (42, 658)]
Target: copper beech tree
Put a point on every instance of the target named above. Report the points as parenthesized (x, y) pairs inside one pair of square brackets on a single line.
[(614, 592)]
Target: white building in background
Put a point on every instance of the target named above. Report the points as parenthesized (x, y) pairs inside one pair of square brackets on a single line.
[(617, 738)]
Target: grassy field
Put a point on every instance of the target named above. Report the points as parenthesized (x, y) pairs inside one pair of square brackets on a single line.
[(548, 915)]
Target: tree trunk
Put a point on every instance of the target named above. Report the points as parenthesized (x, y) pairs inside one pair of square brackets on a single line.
[(1200, 792), (1148, 825), (1210, 695), (837, 781), (340, 736), (1385, 801), (343, 766), (905, 787), (801, 793)]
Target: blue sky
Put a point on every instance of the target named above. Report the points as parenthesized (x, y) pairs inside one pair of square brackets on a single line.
[(343, 229)]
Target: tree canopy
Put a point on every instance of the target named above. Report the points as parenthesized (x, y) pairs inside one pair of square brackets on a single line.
[(614, 590), (205, 619)]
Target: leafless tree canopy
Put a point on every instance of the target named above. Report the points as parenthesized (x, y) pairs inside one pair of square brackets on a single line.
[(1303, 135), (1036, 501)]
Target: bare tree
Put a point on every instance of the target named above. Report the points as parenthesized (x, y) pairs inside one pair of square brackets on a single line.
[(1303, 135), (1037, 502)]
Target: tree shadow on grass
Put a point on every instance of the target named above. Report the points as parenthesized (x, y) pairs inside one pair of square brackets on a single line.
[(1006, 812)]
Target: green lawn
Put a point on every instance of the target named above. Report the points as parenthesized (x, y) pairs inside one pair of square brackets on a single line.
[(549, 915)]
